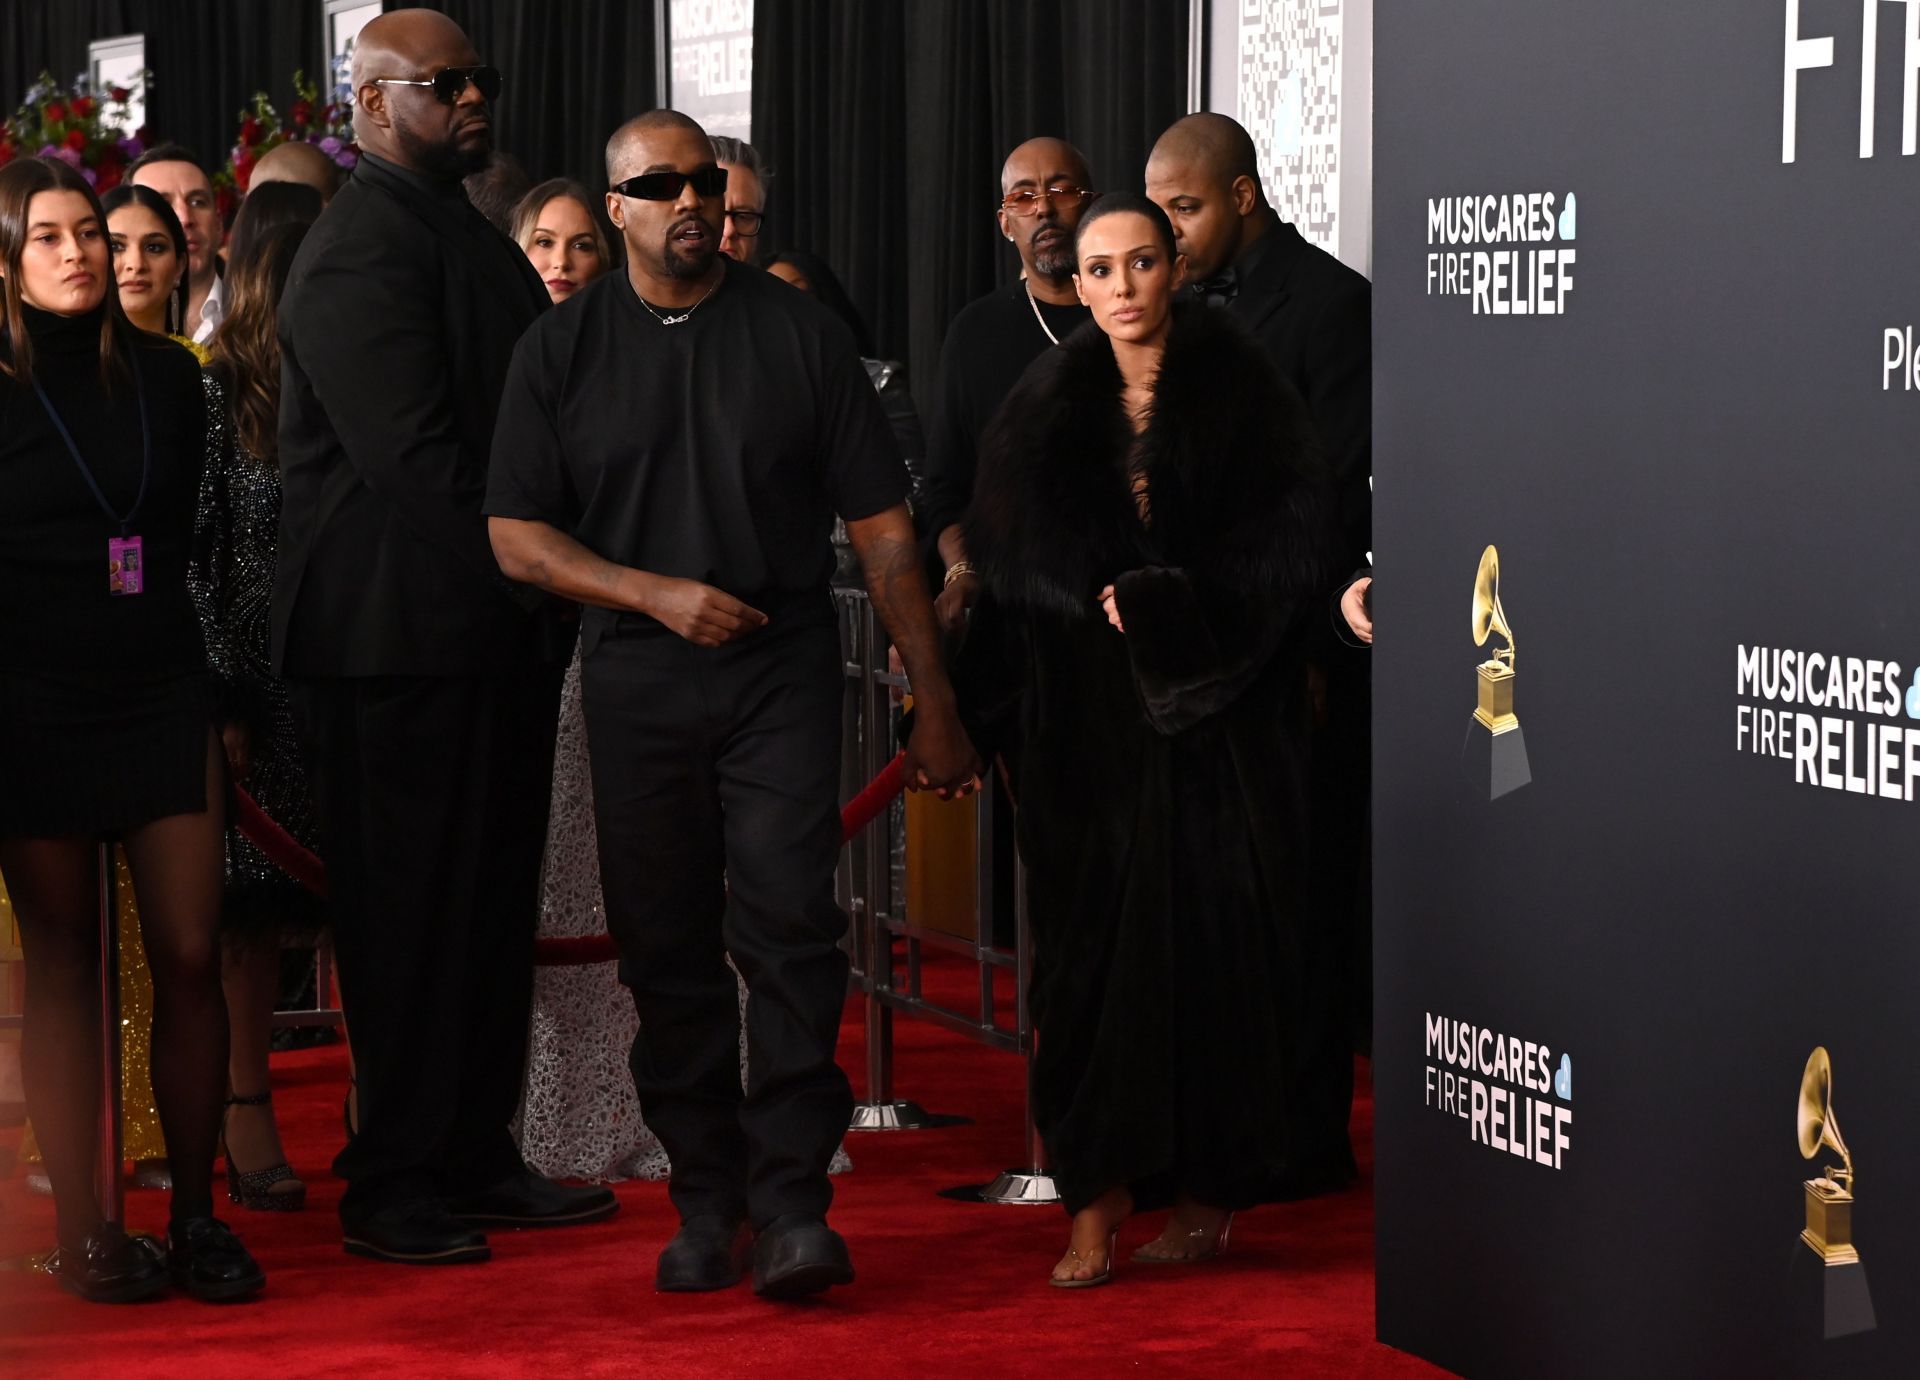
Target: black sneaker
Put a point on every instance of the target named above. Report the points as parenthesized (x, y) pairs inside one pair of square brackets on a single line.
[(208, 1261), (419, 1232), (524, 1199), (111, 1267)]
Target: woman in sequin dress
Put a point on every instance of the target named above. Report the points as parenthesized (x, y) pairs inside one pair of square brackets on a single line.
[(235, 538)]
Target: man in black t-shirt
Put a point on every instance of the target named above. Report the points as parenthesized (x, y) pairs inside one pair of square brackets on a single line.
[(1044, 186), (671, 450)]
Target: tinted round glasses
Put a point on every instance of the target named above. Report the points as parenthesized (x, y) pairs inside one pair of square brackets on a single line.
[(1027, 203), (665, 186), (449, 82)]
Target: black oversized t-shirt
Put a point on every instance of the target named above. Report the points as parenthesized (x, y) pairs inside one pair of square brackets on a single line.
[(716, 450)]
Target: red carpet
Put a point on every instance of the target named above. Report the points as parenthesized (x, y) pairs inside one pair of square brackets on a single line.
[(945, 1289)]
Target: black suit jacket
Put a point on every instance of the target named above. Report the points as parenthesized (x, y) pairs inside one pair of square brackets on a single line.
[(1315, 316), (398, 323)]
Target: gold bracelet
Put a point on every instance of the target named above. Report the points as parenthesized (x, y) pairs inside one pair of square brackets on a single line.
[(956, 570)]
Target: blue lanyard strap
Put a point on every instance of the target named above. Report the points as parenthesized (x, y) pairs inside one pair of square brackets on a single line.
[(146, 451)]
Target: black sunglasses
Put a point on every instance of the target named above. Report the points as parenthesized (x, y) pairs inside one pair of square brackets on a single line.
[(665, 186), (449, 82)]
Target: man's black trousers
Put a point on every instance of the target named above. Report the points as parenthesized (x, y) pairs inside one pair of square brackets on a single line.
[(715, 785), (433, 795)]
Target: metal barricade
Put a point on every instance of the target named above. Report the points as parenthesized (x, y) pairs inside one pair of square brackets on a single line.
[(889, 948)]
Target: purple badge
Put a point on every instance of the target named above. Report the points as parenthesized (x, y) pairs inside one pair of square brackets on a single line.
[(124, 574)]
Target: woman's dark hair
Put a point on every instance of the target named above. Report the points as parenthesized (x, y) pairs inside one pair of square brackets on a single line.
[(1127, 203), (246, 345), (268, 205), (524, 218), (825, 285), (126, 194), (20, 182)]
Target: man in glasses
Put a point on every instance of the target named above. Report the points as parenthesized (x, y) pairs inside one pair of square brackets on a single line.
[(1044, 187), (746, 212), (422, 679), (672, 450)]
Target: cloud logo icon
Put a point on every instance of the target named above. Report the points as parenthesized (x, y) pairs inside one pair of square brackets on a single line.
[(1569, 218), (1563, 1080), (1913, 695)]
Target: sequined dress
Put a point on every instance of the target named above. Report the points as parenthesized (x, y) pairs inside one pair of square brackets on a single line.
[(235, 534)]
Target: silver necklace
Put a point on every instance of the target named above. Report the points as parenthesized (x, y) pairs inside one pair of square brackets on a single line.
[(1038, 317), (678, 317)]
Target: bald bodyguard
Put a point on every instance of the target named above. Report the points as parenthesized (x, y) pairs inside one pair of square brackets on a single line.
[(426, 684)]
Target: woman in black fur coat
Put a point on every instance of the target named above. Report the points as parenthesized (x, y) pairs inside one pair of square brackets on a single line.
[(1152, 547)]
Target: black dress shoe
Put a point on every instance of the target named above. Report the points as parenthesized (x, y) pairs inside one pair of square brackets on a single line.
[(524, 1199), (799, 1254), (706, 1253), (208, 1261), (111, 1267), (416, 1233)]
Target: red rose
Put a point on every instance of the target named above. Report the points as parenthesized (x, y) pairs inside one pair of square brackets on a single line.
[(249, 132), (120, 93), (106, 179), (54, 111), (76, 139), (83, 106), (224, 202), (6, 154), (303, 113)]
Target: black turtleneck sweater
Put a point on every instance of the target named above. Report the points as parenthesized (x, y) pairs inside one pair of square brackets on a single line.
[(58, 620)]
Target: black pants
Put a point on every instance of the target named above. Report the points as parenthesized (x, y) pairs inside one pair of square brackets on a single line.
[(432, 797), (715, 775)]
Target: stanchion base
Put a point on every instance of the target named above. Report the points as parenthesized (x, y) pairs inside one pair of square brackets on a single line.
[(898, 1116), (1019, 1188)]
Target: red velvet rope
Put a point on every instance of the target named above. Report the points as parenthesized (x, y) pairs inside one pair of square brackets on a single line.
[(286, 853)]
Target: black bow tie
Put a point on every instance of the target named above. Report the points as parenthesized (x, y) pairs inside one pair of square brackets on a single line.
[(1220, 289)]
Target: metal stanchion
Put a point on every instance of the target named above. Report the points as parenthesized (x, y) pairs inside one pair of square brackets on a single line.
[(881, 1111), (1030, 1184)]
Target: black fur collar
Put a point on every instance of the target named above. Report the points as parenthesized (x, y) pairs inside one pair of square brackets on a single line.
[(1231, 468)]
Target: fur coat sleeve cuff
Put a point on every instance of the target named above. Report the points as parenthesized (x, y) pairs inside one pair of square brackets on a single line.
[(1193, 651)]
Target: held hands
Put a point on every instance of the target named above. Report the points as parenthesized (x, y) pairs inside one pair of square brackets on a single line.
[(940, 757), (954, 603), (1353, 608), (1112, 607), (705, 616)]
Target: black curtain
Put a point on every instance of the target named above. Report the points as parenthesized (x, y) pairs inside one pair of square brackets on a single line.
[(51, 36), (209, 57), (828, 108), (575, 70), (887, 125)]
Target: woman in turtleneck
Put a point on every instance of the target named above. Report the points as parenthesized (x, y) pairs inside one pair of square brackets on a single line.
[(106, 724)]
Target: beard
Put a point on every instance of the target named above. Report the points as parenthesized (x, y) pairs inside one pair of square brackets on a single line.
[(445, 157), (1055, 260), (686, 263)]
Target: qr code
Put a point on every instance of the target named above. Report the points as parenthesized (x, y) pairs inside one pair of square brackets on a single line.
[(1289, 101)]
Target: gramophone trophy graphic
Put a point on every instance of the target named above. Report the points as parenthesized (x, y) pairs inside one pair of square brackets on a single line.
[(1496, 750), (1847, 1304)]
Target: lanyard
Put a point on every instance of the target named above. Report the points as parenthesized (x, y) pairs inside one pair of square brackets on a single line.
[(146, 452)]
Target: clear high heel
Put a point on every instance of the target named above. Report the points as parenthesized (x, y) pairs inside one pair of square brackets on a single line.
[(1104, 1275), (1211, 1242)]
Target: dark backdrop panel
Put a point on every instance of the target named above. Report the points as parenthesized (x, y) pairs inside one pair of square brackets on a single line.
[(209, 57), (921, 104), (1699, 454)]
